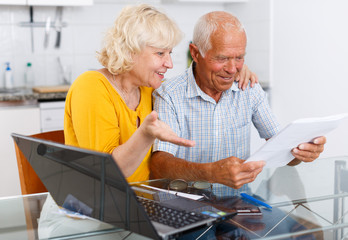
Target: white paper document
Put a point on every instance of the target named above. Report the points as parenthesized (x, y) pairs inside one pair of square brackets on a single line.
[(276, 152)]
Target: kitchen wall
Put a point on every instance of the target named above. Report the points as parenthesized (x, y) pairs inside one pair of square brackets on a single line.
[(256, 16), (309, 75), (80, 39), (309, 63), (308, 78)]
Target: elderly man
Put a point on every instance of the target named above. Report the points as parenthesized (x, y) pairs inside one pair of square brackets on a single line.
[(205, 105)]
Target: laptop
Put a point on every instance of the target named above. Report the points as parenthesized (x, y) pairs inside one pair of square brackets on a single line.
[(92, 184)]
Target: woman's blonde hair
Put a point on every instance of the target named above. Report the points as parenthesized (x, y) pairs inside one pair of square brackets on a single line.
[(135, 28)]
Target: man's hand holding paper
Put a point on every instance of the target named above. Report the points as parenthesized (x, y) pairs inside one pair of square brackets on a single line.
[(308, 152), (302, 139), (234, 172)]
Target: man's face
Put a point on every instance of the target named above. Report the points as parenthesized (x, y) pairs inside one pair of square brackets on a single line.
[(216, 71)]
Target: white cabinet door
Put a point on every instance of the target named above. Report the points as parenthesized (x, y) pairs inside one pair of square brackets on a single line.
[(13, 2), (47, 2), (212, 1), (22, 120), (59, 2), (52, 115)]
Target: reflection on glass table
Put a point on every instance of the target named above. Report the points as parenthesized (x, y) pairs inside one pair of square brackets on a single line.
[(313, 194), (37, 216)]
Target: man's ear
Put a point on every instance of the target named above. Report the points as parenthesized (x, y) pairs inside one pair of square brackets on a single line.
[(194, 52)]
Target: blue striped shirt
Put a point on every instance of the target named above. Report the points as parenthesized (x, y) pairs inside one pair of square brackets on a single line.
[(220, 129)]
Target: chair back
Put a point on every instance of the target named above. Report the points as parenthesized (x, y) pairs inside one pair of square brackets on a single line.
[(30, 182)]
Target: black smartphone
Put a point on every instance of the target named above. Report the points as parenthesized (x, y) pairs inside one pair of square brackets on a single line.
[(247, 210), (235, 204)]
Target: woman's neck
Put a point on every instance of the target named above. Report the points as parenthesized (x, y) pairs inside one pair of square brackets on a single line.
[(129, 92)]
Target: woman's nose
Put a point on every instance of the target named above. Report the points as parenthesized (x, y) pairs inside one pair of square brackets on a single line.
[(168, 63)]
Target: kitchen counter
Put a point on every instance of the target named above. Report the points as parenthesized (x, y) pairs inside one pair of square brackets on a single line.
[(26, 96)]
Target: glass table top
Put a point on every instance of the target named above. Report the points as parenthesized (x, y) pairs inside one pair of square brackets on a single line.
[(308, 202), (311, 194)]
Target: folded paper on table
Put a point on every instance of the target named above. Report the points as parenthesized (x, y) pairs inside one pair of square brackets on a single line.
[(276, 152)]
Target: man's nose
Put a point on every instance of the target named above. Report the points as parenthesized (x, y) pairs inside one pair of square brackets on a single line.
[(230, 66)]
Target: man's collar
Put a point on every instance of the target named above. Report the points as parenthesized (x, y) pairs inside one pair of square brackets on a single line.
[(193, 90), (235, 87)]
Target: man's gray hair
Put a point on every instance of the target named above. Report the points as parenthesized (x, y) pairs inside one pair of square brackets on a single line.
[(208, 24)]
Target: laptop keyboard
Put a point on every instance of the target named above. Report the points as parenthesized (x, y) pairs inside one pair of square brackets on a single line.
[(170, 216)]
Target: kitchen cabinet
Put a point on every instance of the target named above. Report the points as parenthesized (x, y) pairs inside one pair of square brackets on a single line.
[(26, 120), (59, 2), (211, 1), (23, 120), (52, 115), (47, 2), (172, 1), (13, 2)]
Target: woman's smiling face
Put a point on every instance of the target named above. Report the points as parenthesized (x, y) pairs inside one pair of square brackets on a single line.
[(150, 65)]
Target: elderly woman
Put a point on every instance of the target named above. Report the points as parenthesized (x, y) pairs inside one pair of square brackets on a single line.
[(110, 109)]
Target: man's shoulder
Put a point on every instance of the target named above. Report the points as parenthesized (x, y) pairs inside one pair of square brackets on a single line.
[(255, 90)]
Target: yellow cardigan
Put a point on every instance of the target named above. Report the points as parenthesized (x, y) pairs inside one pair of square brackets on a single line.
[(97, 118)]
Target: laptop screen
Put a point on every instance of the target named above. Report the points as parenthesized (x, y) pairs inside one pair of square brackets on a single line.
[(86, 181)]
